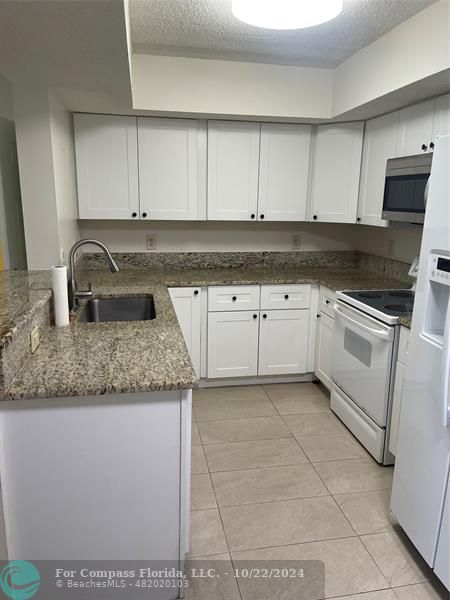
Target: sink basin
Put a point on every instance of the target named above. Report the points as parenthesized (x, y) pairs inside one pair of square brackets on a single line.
[(119, 308)]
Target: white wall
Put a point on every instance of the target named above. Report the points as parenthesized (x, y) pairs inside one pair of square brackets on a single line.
[(124, 236), (218, 87), (415, 50), (44, 146), (6, 103), (63, 153), (376, 240), (31, 111)]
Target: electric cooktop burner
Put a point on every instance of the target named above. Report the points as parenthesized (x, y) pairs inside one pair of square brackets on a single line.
[(386, 305)]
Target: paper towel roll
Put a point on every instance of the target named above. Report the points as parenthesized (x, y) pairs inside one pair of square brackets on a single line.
[(60, 295)]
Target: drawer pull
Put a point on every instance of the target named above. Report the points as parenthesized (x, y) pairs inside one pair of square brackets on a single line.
[(234, 298), (255, 316), (286, 297), (264, 316)]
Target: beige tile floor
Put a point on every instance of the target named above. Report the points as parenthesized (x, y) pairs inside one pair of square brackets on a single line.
[(276, 476)]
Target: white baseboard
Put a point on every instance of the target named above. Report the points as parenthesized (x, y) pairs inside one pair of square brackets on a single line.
[(264, 379)]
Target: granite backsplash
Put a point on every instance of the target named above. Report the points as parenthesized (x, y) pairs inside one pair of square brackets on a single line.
[(222, 260)]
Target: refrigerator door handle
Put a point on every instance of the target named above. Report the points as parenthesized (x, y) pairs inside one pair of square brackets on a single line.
[(446, 372)]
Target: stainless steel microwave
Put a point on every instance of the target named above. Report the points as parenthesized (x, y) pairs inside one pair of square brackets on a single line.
[(405, 188)]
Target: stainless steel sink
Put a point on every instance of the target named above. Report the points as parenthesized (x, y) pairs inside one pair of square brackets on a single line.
[(118, 308)]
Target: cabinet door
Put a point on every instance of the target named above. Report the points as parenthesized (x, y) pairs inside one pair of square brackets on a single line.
[(379, 144), (233, 163), (232, 344), (324, 349), (396, 406), (283, 342), (107, 169), (337, 165), (441, 122), (283, 173), (415, 129), (172, 168), (187, 304)]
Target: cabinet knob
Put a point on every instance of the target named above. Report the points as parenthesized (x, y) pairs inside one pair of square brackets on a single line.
[(196, 293), (432, 145), (264, 316), (134, 215), (358, 219), (261, 216), (252, 216), (255, 316), (234, 298), (327, 302), (315, 217), (318, 316), (424, 147), (144, 214), (286, 297)]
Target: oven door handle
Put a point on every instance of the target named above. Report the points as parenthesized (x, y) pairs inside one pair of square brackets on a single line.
[(379, 333)]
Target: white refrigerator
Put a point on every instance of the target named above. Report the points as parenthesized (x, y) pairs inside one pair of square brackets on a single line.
[(420, 495)]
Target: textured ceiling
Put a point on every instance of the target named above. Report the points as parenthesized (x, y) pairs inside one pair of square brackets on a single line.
[(207, 29)]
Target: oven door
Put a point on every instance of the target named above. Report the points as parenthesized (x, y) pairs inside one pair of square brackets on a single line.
[(362, 359)]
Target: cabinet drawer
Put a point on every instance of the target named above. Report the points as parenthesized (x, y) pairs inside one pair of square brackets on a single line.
[(326, 301), (368, 433), (236, 297), (285, 296), (403, 345)]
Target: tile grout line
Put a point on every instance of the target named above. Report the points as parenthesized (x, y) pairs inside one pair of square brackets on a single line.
[(221, 522)]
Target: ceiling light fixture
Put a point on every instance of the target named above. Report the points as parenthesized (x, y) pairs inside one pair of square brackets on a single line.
[(286, 14)]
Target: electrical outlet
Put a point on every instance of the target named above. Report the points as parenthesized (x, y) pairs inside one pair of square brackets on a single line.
[(391, 247), (296, 241), (35, 339), (151, 241)]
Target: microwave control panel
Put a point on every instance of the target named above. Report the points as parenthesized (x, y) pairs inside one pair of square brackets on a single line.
[(440, 269)]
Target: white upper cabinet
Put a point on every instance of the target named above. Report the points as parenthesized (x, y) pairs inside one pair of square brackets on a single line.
[(441, 121), (415, 129), (283, 172), (107, 166), (172, 168), (379, 145), (233, 164), (337, 164)]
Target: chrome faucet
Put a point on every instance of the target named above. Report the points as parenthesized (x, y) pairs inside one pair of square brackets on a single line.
[(74, 293)]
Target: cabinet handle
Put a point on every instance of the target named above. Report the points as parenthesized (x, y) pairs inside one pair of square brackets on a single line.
[(255, 316), (315, 217), (286, 297), (252, 216), (134, 215), (196, 293), (234, 298), (144, 214), (261, 216), (264, 316), (424, 147), (432, 145)]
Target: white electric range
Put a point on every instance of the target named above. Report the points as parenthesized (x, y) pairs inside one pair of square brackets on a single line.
[(365, 345)]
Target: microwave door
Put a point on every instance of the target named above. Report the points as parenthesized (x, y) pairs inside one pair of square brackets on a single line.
[(404, 197)]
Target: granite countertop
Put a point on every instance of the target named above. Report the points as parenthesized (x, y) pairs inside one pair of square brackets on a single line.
[(87, 359)]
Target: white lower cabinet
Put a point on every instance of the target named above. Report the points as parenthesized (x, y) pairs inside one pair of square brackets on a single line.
[(324, 349), (283, 342), (233, 344), (187, 305), (246, 343)]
